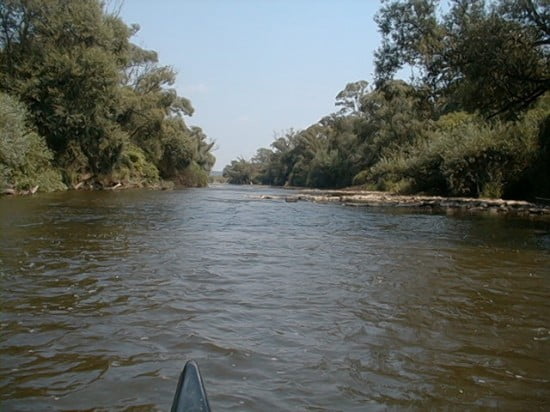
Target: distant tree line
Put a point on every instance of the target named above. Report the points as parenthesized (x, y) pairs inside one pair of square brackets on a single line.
[(474, 119), (80, 102)]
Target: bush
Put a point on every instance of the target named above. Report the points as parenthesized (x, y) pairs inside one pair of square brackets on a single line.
[(134, 167), (176, 156), (25, 160), (192, 176), (241, 172), (534, 181), (461, 155)]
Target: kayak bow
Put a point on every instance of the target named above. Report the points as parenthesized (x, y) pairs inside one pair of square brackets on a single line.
[(190, 394)]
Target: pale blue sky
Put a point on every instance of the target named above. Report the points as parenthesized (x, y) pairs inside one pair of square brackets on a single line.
[(255, 67)]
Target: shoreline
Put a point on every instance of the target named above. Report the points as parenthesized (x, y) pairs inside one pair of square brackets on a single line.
[(368, 198), (94, 187)]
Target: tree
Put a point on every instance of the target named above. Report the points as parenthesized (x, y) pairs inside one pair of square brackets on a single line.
[(350, 98), (240, 172), (61, 59), (472, 121), (99, 100), (491, 57)]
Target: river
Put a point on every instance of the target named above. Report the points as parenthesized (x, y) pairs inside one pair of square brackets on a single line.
[(285, 306)]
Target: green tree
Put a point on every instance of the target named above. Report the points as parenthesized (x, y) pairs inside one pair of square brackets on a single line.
[(487, 56), (105, 106), (240, 172), (63, 60), (473, 120), (351, 97)]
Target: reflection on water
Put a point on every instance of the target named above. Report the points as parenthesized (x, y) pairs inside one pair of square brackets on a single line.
[(286, 306)]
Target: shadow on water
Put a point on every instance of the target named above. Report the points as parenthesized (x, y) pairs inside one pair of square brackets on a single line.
[(286, 306)]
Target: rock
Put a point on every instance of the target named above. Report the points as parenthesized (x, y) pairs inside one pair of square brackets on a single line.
[(493, 210), (450, 205)]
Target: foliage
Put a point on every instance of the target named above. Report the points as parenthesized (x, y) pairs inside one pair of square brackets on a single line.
[(99, 100), (241, 172), (193, 176), (487, 56), (25, 160), (462, 155), (133, 165)]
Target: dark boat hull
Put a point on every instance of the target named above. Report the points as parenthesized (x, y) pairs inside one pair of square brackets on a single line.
[(190, 394)]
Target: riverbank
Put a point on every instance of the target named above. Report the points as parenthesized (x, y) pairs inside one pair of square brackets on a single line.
[(86, 187), (366, 198), (94, 185)]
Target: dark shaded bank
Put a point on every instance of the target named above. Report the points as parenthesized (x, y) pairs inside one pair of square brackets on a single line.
[(427, 203)]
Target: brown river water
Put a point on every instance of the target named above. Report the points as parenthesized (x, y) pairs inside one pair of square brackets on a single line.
[(285, 306)]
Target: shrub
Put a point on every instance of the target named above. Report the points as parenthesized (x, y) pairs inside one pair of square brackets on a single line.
[(461, 155), (192, 176), (25, 160), (135, 168)]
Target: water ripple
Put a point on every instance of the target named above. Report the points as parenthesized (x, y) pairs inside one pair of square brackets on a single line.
[(285, 306)]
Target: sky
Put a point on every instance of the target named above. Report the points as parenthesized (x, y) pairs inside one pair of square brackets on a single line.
[(255, 68)]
